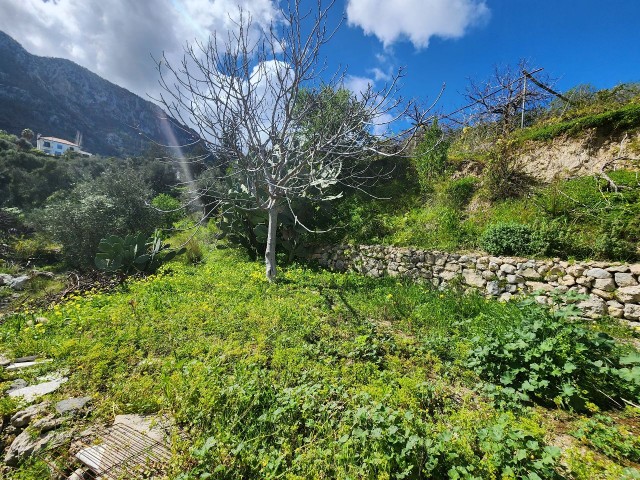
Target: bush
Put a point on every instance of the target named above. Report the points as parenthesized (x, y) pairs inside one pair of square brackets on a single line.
[(133, 253), (115, 203), (546, 359), (504, 178), (458, 193), (170, 208), (508, 239), (431, 157)]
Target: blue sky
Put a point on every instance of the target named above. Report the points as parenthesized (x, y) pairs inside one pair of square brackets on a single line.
[(576, 41), (581, 41)]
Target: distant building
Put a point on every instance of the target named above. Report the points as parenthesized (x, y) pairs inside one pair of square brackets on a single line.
[(57, 146)]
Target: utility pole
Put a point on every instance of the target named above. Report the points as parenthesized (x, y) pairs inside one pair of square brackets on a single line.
[(524, 97)]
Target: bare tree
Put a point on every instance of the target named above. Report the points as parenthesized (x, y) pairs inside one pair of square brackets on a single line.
[(501, 98), (256, 96)]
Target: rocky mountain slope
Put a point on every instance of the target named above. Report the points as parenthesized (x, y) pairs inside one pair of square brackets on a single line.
[(56, 97)]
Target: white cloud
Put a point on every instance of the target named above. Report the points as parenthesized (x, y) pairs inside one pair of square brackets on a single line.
[(357, 85), (116, 38), (415, 20)]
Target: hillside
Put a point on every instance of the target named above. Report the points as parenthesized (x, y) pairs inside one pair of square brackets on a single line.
[(56, 97)]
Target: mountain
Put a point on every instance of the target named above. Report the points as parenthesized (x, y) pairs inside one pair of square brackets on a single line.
[(56, 97)]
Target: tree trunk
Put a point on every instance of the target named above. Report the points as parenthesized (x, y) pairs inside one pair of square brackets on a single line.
[(270, 252)]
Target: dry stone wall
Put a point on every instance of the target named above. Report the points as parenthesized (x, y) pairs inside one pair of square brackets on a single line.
[(612, 288)]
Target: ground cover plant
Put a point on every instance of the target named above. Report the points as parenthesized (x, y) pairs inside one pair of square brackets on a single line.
[(320, 375)]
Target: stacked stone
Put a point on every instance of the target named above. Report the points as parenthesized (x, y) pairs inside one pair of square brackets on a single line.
[(612, 288)]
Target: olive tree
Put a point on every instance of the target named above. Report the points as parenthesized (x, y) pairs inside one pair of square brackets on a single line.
[(255, 95)]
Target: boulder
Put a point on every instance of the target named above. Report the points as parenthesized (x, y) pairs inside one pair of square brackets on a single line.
[(32, 392), (597, 273), (567, 281), (593, 307), (18, 283), (629, 294), (606, 284), (615, 309), (625, 280), (493, 288), (473, 278), (24, 417), (507, 268), (530, 274), (29, 443), (71, 405), (632, 311)]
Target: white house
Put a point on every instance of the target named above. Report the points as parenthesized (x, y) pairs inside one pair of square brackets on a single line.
[(57, 146)]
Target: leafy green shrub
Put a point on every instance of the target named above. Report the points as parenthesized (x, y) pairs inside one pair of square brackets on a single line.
[(507, 239), (133, 253), (503, 178), (170, 208), (548, 360), (603, 434), (115, 203), (458, 193), (430, 158), (36, 248), (611, 244)]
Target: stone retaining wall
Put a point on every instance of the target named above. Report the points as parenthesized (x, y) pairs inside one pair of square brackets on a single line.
[(613, 288)]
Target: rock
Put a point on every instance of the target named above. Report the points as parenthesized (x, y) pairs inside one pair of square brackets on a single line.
[(30, 358), (4, 361), (584, 281), (34, 391), (618, 268), (26, 445), (79, 474), (507, 268), (5, 279), (606, 284), (24, 417), (597, 273), (539, 286), (557, 270), (625, 280), (615, 309), (453, 267), (567, 281), (635, 268), (629, 294), (493, 288), (71, 404), (593, 307), (447, 276), (505, 297), (19, 365), (530, 273), (602, 294), (18, 283), (632, 312), (473, 278), (575, 270), (494, 267), (17, 384), (488, 275), (155, 427), (514, 279), (541, 299)]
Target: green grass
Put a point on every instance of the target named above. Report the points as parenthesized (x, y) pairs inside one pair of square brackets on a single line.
[(321, 375), (621, 119)]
